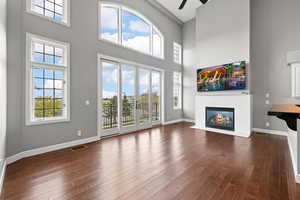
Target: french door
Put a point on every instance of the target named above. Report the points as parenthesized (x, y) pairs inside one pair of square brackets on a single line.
[(130, 97)]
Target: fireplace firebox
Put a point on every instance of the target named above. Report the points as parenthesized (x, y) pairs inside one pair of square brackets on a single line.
[(220, 118)]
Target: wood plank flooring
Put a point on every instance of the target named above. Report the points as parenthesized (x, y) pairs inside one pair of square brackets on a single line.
[(162, 163)]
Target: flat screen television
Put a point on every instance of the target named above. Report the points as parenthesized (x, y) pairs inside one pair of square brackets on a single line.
[(232, 76)]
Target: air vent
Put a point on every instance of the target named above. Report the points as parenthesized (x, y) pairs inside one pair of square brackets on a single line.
[(78, 148), (260, 133)]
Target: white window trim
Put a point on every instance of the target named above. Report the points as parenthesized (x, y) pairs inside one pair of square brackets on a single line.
[(179, 107), (175, 44), (119, 44), (67, 13), (29, 86)]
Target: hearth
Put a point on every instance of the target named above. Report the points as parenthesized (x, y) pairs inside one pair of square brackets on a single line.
[(220, 118)]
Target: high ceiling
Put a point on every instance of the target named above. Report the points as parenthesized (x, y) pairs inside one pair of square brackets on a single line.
[(187, 13)]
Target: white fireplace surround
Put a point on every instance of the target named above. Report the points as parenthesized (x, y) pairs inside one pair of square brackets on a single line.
[(242, 104)]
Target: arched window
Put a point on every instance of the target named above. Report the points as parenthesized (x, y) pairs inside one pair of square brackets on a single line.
[(128, 28)]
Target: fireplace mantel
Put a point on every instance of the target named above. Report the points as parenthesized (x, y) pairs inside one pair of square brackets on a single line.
[(242, 104)]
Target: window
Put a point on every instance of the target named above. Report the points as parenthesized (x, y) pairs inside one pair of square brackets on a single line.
[(177, 83), (136, 32), (47, 81), (125, 27), (157, 43), (177, 53), (109, 22), (55, 10)]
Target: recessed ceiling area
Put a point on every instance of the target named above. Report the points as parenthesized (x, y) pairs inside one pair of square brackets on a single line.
[(187, 13)]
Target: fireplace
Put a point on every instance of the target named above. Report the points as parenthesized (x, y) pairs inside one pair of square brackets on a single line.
[(220, 118)]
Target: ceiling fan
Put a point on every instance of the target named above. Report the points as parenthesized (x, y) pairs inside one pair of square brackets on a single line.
[(184, 2)]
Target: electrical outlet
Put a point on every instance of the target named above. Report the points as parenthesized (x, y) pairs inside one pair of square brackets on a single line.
[(87, 103), (267, 124), (267, 102), (79, 133), (267, 95)]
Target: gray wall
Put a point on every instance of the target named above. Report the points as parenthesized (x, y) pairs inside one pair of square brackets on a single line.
[(3, 74), (275, 30), (189, 68), (222, 36), (82, 35)]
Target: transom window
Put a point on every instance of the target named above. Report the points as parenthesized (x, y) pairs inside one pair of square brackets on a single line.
[(177, 90), (55, 10), (128, 28), (177, 51), (47, 80)]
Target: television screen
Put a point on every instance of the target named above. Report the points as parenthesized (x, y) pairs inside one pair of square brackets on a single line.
[(231, 76)]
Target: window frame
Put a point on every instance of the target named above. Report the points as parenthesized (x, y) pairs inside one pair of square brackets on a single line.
[(30, 120), (177, 84), (179, 46), (66, 15), (120, 8)]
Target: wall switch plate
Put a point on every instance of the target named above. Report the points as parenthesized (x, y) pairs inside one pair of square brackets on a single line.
[(267, 95), (87, 102), (79, 133)]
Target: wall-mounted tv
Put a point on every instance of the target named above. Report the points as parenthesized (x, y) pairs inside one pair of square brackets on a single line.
[(231, 76)]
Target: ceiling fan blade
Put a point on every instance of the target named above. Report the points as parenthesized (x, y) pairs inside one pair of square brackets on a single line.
[(204, 1), (182, 4)]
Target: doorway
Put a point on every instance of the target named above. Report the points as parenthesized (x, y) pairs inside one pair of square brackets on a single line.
[(130, 97)]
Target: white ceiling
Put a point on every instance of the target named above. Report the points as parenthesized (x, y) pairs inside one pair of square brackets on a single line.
[(187, 13)]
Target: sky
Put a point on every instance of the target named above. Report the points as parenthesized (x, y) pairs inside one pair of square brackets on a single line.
[(110, 80), (135, 31)]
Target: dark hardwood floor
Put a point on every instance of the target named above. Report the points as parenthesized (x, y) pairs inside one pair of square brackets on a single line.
[(167, 162)]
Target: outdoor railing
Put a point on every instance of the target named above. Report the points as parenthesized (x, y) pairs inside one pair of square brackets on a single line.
[(110, 114)]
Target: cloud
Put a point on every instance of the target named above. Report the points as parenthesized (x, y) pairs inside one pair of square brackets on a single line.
[(140, 43), (110, 76), (109, 18), (38, 47), (108, 94), (49, 84), (39, 2), (128, 75), (57, 83), (111, 37), (139, 26)]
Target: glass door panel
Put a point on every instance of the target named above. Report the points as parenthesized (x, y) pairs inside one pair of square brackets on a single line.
[(144, 96), (130, 98), (110, 93), (128, 95), (155, 96)]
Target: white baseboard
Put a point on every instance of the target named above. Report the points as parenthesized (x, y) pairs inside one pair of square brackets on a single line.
[(2, 176), (189, 120), (47, 149), (294, 162), (173, 122), (268, 131), (238, 134), (177, 121)]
